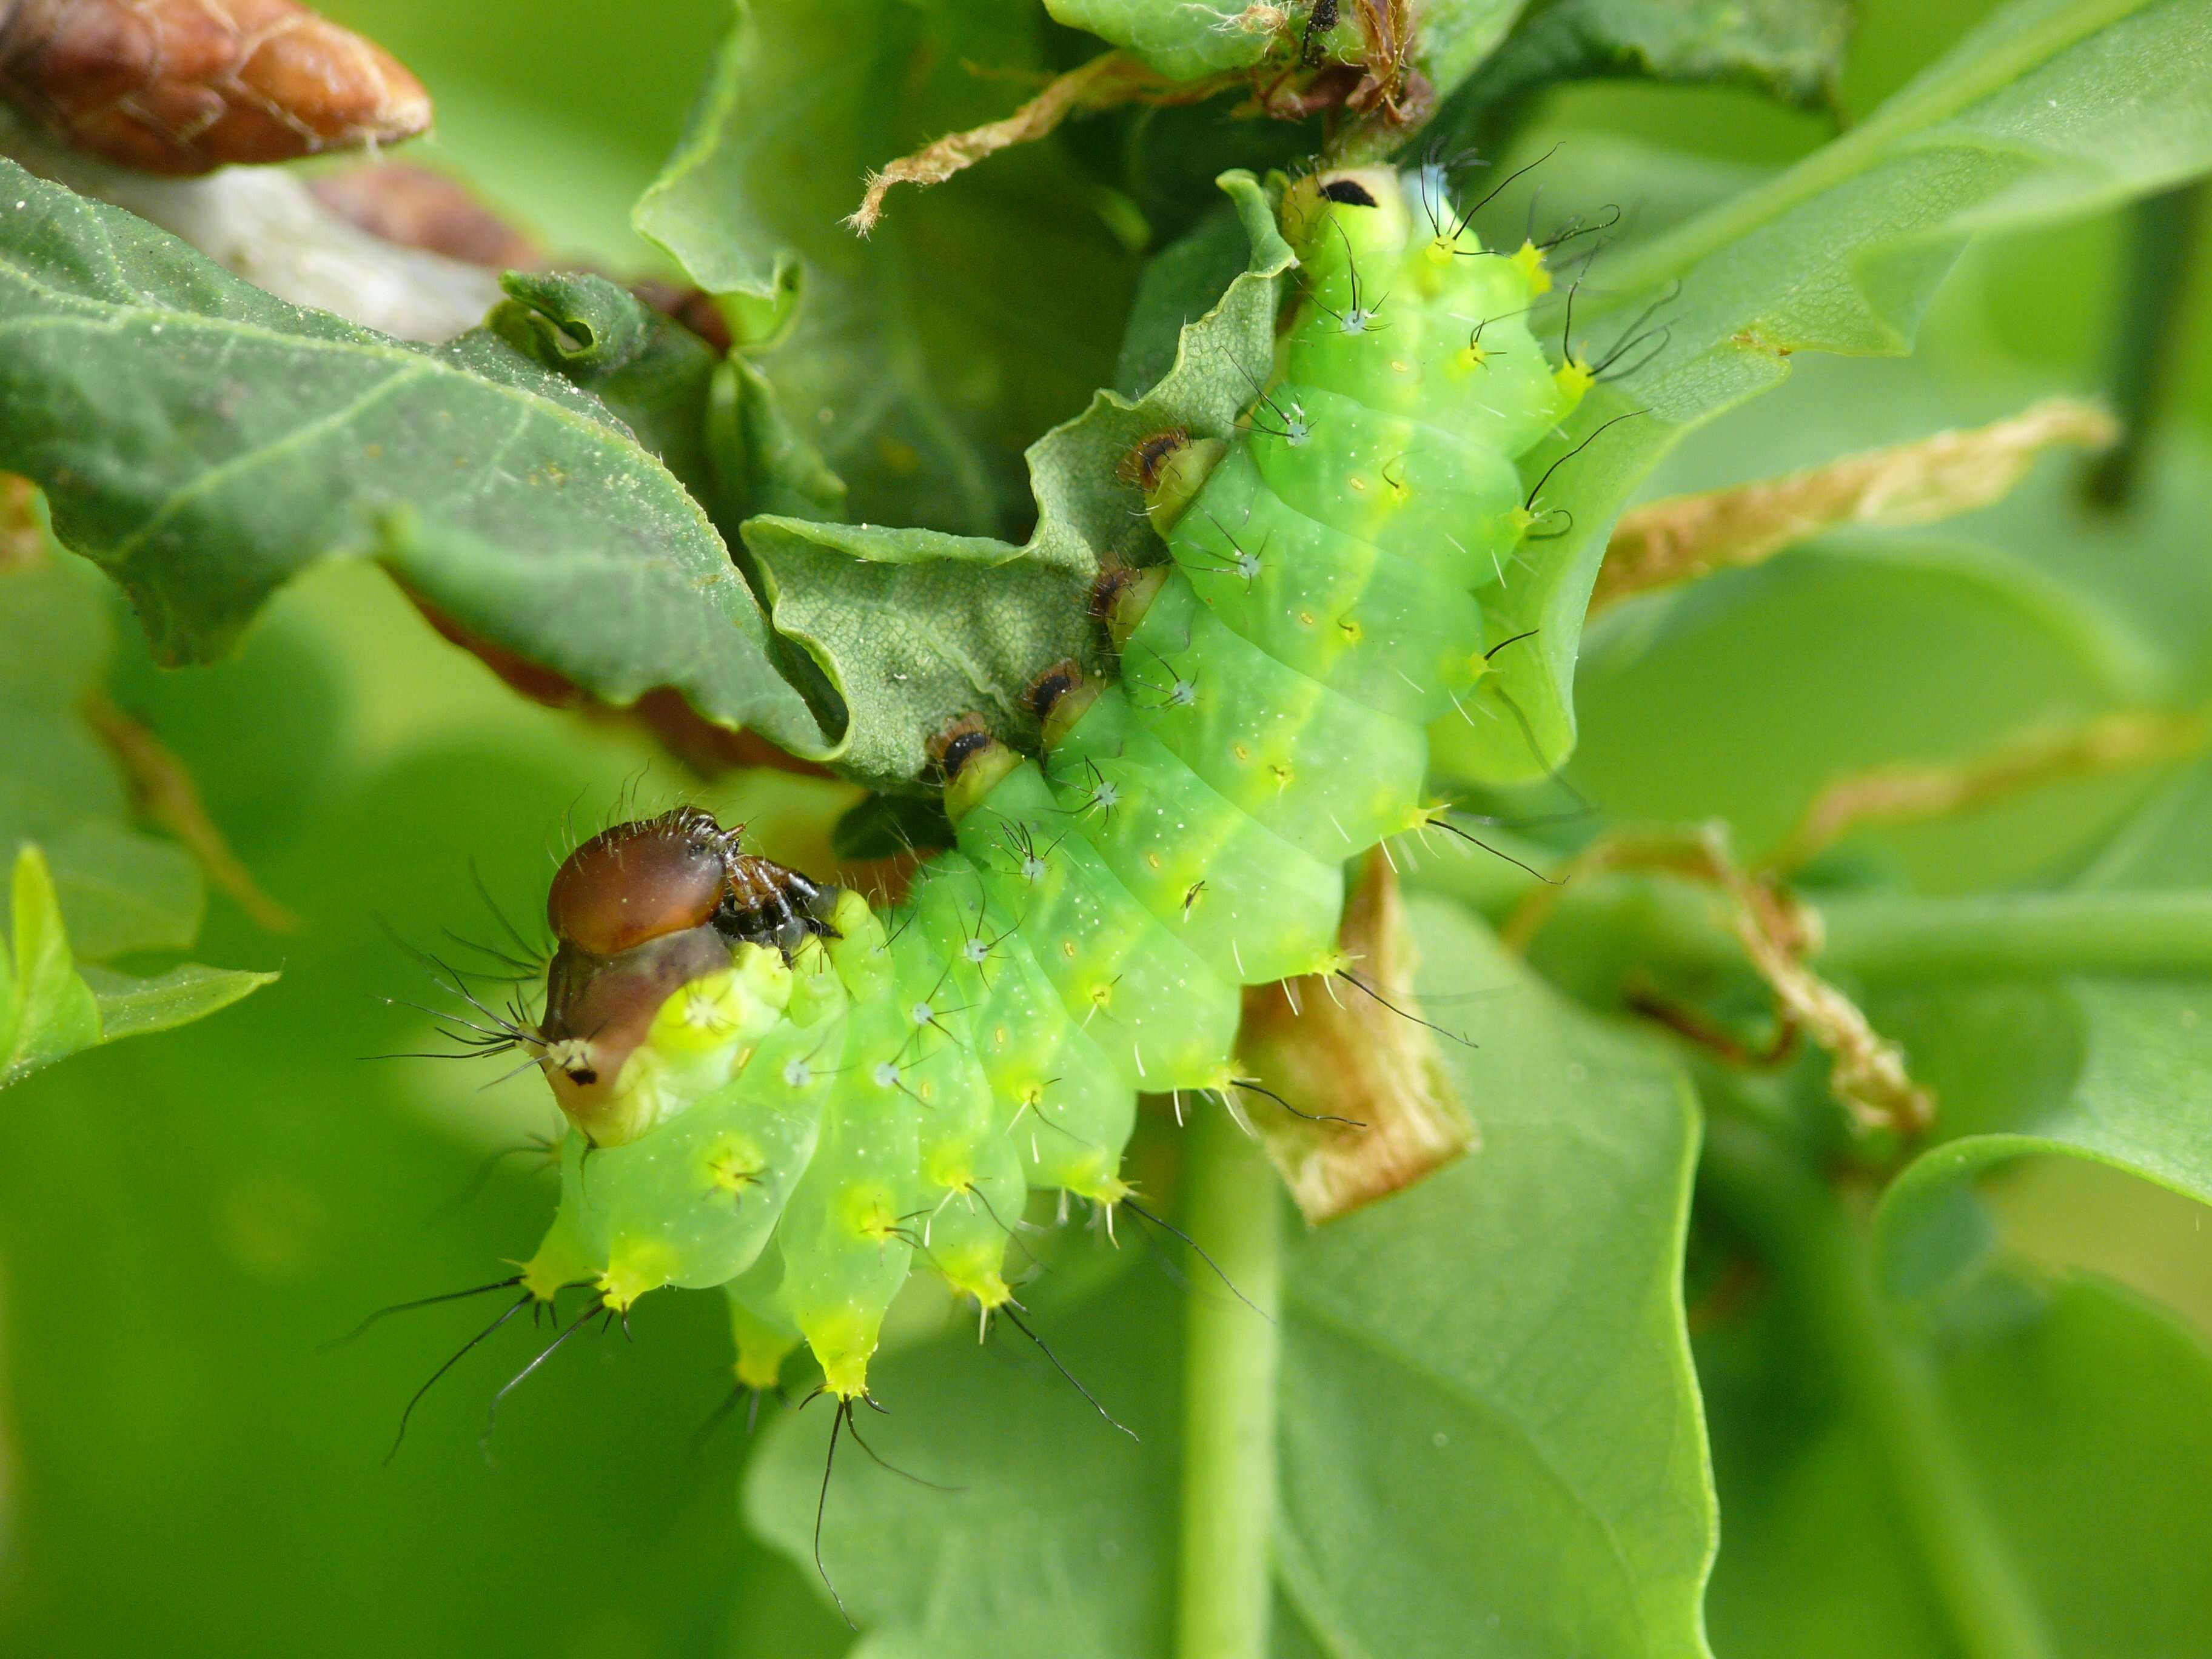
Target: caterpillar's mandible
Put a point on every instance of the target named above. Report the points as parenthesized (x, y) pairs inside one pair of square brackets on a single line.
[(779, 1090)]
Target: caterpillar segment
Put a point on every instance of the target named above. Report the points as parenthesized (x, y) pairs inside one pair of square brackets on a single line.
[(776, 1088)]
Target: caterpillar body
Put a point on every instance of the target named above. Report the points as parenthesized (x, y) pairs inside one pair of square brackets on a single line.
[(778, 1090)]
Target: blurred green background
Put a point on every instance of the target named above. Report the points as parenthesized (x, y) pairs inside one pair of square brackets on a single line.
[(185, 1221)]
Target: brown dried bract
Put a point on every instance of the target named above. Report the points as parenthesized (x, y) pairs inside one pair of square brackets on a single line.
[(187, 85), (1381, 1111)]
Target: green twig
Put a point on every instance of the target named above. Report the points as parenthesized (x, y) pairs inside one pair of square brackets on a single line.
[(2164, 232), (2017, 935), (1889, 1383), (1887, 937), (1233, 1210)]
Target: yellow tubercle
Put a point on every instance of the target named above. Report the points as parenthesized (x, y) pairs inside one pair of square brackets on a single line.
[(846, 1376), (562, 1260), (1109, 1188), (1335, 960), (1573, 377), (633, 1268), (1529, 262), (983, 1283)]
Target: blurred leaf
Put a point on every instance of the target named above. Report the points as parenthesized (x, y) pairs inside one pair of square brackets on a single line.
[(2116, 1072), (134, 1007), (2050, 108), (1793, 48), (49, 1011), (762, 460), (1484, 1448), (1866, 648), (915, 627), (79, 876), (922, 360), (183, 1226), (120, 891), (46, 1012), (2085, 1419), (204, 442)]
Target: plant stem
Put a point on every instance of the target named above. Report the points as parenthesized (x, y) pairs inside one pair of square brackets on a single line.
[(2020, 934), (1233, 1209), (1888, 937), (2153, 302), (1889, 1382)]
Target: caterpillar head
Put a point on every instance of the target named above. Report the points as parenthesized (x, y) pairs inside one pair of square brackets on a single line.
[(639, 913), (1348, 215)]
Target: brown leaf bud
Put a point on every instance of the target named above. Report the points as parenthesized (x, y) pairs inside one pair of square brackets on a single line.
[(188, 85)]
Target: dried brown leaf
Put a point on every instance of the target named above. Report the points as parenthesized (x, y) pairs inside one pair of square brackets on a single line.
[(1686, 537), (1111, 78), (1910, 791)]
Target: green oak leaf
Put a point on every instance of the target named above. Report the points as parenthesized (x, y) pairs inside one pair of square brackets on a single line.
[(922, 360), (1793, 48), (1482, 1451), (2050, 108), (2115, 1071), (916, 628), (204, 442)]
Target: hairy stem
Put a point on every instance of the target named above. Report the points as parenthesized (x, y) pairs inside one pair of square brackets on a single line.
[(1234, 1213), (1889, 1382)]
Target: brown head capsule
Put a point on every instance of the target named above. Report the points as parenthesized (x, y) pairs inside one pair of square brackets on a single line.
[(187, 85), (639, 912), (638, 881)]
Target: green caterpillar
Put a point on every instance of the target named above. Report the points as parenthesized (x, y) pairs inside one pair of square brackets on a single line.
[(777, 1090)]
